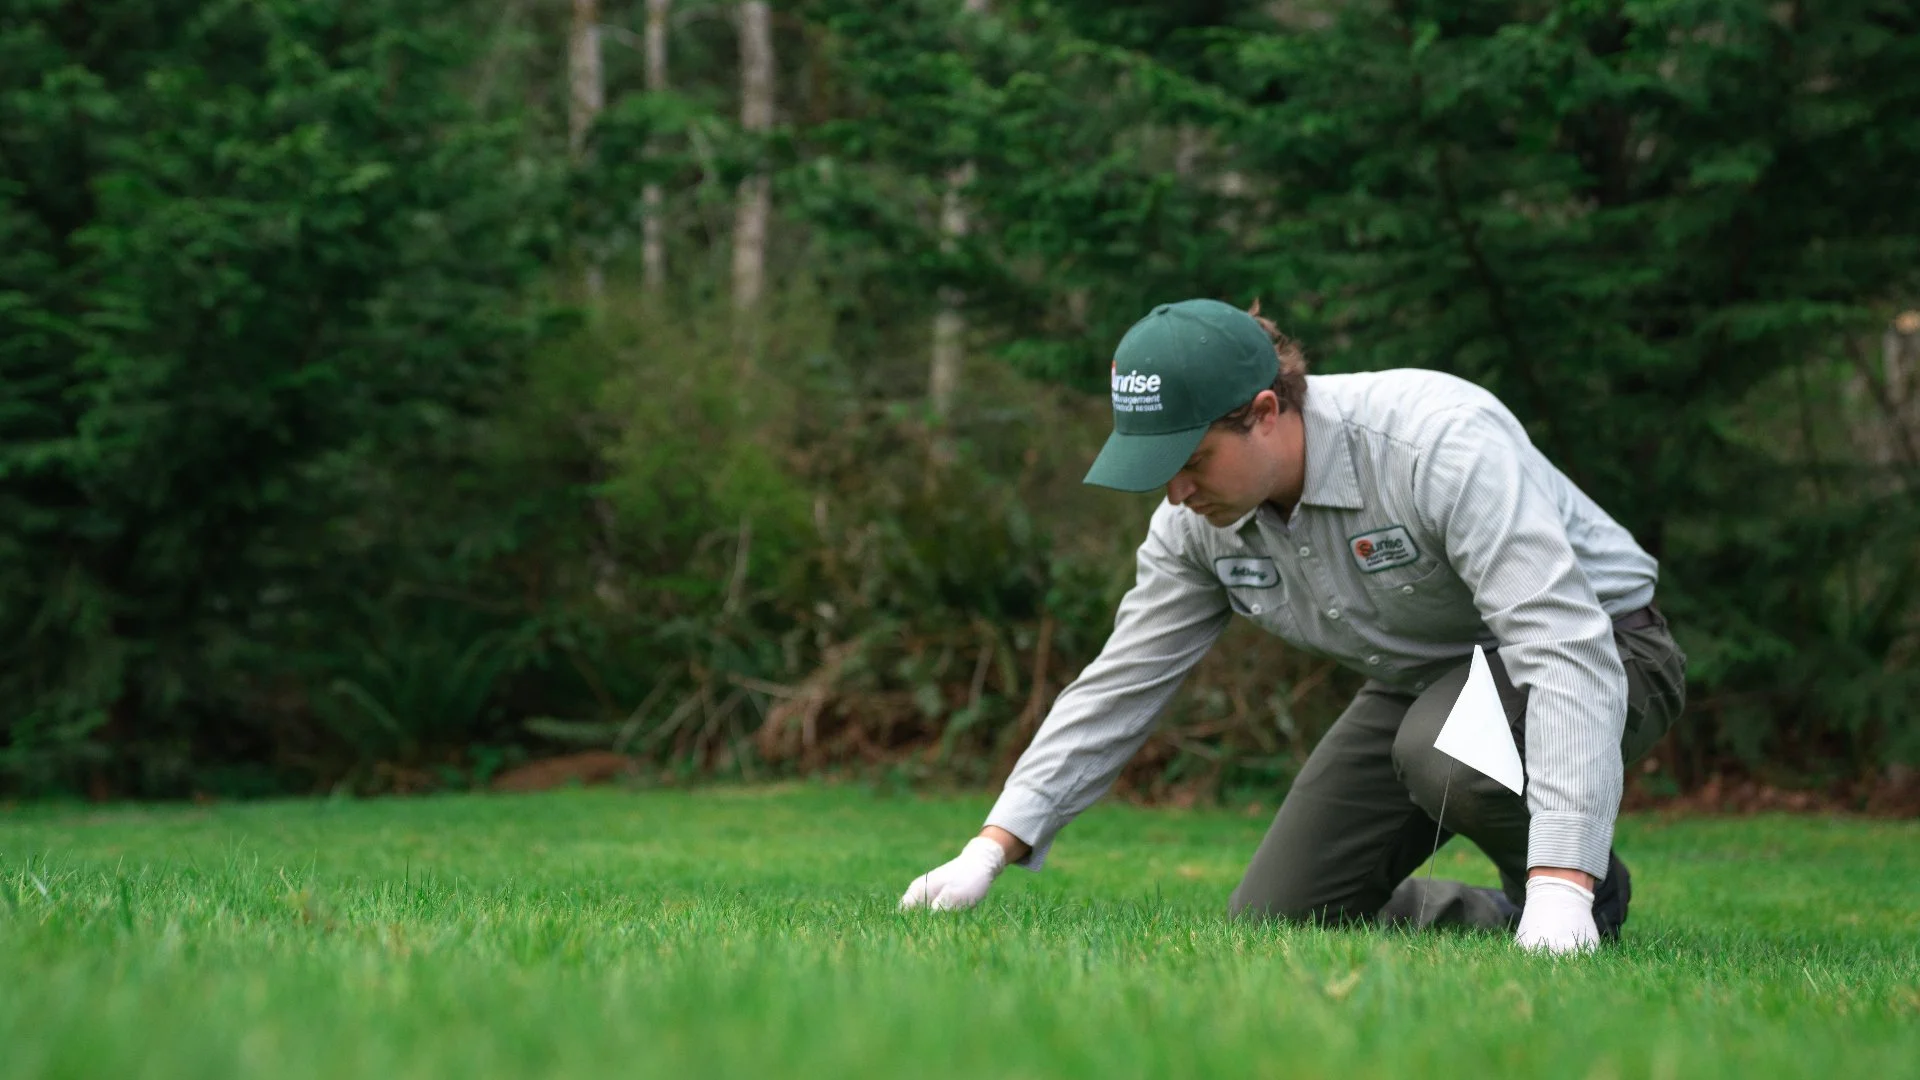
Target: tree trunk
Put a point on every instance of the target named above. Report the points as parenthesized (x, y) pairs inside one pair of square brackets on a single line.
[(1884, 401), (498, 45), (950, 322), (653, 251), (587, 97), (1899, 350), (1899, 361), (1190, 144), (753, 205)]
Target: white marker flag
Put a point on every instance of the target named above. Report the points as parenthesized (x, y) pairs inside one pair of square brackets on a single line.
[(1476, 732)]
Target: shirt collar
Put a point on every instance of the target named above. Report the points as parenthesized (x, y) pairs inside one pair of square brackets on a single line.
[(1331, 479)]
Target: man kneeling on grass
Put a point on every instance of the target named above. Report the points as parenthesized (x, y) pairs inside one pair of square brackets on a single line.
[(1389, 521)]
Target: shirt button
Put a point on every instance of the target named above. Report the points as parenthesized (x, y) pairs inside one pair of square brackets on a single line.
[(1374, 660), (1305, 551), (1408, 589), (1333, 613), (1254, 609), (1419, 686)]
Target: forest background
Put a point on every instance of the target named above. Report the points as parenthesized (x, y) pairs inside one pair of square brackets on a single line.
[(397, 392)]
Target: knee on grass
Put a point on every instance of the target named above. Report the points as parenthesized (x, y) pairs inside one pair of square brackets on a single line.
[(1254, 906)]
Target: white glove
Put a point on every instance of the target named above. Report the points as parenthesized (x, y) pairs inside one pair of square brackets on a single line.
[(1558, 917), (961, 883)]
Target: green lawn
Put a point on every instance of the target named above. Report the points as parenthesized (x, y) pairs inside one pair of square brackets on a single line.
[(753, 933)]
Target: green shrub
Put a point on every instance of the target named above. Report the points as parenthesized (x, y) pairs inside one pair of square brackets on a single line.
[(251, 252)]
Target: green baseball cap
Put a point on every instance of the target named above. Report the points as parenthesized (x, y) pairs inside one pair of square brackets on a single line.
[(1175, 372)]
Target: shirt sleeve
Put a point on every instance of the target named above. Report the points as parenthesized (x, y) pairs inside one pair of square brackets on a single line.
[(1481, 492), (1165, 624)]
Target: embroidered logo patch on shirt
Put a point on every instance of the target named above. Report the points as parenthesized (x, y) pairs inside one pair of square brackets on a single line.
[(1383, 549), (1247, 573)]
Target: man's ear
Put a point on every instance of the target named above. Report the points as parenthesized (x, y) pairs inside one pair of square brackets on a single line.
[(1266, 406)]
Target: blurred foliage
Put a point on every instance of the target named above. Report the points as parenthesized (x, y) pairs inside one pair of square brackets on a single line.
[(315, 474), (256, 254)]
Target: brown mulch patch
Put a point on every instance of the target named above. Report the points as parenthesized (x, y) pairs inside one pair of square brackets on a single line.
[(1895, 793), (589, 767)]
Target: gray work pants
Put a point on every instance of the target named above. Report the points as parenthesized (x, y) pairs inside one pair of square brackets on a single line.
[(1361, 815)]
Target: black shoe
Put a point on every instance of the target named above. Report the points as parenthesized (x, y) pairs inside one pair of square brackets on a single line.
[(1610, 899), (1508, 911)]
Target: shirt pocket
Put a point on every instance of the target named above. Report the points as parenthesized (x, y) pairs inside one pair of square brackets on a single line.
[(1268, 607), (1421, 600)]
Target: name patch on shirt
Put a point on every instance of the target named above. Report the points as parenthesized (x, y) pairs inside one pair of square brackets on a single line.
[(1382, 549), (1247, 572)]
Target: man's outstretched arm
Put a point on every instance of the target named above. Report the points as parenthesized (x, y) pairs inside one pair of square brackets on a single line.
[(1165, 624)]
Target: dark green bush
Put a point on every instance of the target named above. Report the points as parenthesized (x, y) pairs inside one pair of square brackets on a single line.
[(254, 252)]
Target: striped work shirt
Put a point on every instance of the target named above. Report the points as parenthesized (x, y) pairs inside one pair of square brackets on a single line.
[(1428, 523)]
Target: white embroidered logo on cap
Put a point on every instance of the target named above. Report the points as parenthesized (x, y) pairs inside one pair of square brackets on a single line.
[(1134, 392)]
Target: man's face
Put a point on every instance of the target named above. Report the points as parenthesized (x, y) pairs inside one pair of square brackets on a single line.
[(1231, 472)]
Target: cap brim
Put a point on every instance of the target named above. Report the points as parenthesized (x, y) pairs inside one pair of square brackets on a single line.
[(1143, 462)]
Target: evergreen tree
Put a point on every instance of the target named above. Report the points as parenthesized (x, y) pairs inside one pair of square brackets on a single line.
[(247, 246)]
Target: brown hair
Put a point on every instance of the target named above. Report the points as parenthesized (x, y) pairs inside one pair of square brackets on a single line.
[(1289, 383)]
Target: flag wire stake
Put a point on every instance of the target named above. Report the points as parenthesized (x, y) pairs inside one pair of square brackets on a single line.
[(1420, 919)]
